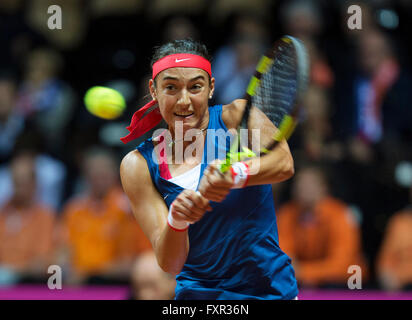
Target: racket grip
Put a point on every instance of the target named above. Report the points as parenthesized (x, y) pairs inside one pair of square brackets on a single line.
[(223, 167)]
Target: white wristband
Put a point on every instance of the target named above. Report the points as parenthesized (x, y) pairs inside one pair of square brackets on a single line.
[(240, 174), (176, 225)]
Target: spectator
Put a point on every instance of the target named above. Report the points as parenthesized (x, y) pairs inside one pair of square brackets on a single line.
[(377, 105), (99, 236), (16, 36), (236, 60), (374, 121), (45, 99), (318, 232), (304, 20), (50, 172), (320, 70), (394, 263), (11, 124), (26, 225), (149, 281), (315, 133)]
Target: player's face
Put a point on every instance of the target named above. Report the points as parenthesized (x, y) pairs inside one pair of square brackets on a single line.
[(182, 95)]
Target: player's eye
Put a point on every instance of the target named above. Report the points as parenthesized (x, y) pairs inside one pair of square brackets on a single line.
[(197, 87)]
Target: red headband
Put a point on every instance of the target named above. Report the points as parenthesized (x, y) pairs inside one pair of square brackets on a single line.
[(139, 125), (183, 60)]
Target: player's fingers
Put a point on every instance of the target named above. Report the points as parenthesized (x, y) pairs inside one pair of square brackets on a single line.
[(216, 197), (191, 208), (184, 214), (213, 193), (203, 186), (218, 193), (217, 180), (218, 189), (181, 216), (200, 201), (214, 168)]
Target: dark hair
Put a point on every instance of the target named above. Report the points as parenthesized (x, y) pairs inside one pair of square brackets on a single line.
[(180, 46)]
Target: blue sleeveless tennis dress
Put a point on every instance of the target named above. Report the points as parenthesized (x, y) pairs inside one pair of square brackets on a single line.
[(234, 250)]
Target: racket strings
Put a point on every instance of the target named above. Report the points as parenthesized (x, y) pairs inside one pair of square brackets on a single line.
[(277, 91)]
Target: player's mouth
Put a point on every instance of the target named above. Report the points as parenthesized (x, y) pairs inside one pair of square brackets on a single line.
[(184, 115)]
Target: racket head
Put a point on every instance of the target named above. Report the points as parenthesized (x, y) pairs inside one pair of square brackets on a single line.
[(279, 84), (276, 88)]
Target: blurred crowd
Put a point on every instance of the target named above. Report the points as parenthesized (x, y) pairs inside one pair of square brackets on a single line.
[(350, 202)]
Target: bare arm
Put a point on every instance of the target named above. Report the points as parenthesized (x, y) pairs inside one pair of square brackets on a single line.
[(171, 247)]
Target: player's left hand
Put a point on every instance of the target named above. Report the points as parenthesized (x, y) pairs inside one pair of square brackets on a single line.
[(214, 185)]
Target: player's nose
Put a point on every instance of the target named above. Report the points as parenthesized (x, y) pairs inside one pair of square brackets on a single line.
[(184, 98)]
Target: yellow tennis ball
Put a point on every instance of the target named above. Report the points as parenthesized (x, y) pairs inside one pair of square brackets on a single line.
[(104, 102)]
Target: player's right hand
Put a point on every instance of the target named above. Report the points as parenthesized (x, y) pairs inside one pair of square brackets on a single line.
[(189, 206)]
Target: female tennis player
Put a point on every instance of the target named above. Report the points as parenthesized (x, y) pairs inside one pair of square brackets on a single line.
[(216, 232)]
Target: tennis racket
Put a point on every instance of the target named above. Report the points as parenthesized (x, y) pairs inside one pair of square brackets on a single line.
[(276, 88)]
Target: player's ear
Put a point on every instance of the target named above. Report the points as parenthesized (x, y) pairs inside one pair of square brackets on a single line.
[(152, 88), (212, 87)]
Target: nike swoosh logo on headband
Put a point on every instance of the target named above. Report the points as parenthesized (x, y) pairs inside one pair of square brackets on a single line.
[(180, 60)]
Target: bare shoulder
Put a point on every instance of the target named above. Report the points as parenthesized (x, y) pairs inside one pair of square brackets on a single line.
[(137, 182), (133, 160), (232, 112), (133, 169)]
